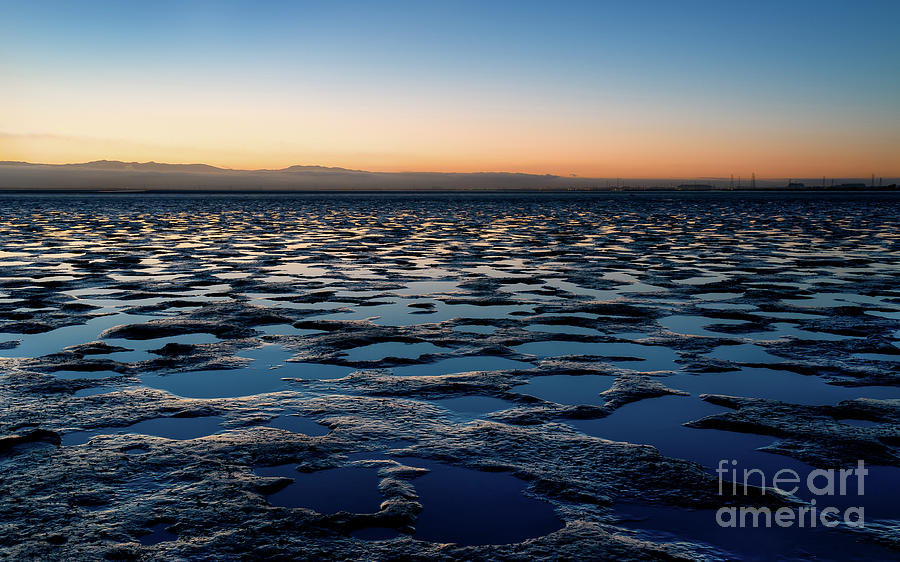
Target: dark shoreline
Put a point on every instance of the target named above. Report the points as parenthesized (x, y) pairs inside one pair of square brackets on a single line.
[(244, 191)]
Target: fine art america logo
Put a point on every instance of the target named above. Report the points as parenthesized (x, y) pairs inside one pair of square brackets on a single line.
[(818, 484)]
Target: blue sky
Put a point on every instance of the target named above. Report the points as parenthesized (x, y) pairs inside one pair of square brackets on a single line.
[(457, 85)]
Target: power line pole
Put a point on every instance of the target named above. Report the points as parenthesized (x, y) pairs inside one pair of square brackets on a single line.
[(753, 180)]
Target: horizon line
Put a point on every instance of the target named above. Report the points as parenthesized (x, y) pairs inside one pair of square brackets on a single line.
[(731, 177)]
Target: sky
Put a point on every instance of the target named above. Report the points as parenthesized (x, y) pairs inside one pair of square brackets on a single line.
[(601, 89)]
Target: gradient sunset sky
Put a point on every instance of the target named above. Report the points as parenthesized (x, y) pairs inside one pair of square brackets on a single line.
[(604, 89)]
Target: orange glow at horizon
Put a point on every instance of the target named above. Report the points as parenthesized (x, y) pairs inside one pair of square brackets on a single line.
[(665, 138), (620, 157)]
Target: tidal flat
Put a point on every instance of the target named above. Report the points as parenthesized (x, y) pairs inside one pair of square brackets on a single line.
[(443, 376)]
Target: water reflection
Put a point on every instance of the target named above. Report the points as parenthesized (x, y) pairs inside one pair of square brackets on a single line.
[(170, 428)]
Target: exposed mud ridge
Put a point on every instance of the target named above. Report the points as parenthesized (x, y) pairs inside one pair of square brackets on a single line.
[(815, 434), (179, 374)]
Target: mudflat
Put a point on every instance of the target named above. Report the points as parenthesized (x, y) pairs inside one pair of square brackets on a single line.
[(458, 376)]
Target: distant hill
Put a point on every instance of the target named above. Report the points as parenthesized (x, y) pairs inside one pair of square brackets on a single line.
[(110, 174), (115, 175), (143, 166)]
